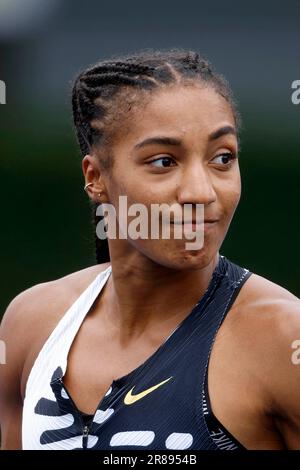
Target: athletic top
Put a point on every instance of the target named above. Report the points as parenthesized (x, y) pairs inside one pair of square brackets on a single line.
[(162, 404)]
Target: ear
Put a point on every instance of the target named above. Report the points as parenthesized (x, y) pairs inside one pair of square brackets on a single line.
[(93, 178)]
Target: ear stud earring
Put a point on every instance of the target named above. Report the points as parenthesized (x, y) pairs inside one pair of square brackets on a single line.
[(90, 184)]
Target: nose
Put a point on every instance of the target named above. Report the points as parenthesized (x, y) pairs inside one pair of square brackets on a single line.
[(195, 186)]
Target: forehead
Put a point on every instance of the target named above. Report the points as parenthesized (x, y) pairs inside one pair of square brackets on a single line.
[(181, 110)]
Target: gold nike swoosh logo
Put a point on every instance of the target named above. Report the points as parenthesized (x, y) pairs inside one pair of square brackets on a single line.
[(130, 399)]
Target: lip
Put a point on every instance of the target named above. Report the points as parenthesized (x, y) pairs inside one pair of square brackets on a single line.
[(194, 222), (194, 226)]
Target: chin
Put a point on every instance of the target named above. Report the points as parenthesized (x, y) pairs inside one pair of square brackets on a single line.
[(176, 256), (196, 259), (187, 259)]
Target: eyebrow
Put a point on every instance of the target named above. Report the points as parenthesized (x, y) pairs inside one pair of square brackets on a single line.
[(164, 140), (222, 131), (159, 140)]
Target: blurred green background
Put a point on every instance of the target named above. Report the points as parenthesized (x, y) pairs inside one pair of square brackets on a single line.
[(45, 215)]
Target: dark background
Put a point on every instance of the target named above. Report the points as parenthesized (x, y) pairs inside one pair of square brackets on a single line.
[(45, 215)]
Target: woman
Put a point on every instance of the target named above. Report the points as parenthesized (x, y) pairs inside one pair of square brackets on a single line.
[(157, 346)]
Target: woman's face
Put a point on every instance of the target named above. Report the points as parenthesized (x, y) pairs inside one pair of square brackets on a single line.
[(178, 148)]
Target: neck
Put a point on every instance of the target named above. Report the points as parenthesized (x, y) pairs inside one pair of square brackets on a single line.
[(145, 297)]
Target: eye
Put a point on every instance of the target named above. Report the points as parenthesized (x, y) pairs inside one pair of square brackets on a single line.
[(162, 162), (225, 159)]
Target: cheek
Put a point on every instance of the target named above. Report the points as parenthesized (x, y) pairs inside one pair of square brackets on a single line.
[(237, 189), (230, 195), (123, 182), (125, 194), (234, 196), (136, 190)]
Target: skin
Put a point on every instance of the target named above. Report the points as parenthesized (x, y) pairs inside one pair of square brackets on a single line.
[(253, 384)]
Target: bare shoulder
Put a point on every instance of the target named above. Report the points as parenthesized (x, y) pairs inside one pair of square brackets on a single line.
[(266, 309), (49, 300), (264, 301), (271, 334), (33, 314), (255, 366), (265, 326)]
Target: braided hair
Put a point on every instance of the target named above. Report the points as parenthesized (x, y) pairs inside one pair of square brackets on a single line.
[(103, 93)]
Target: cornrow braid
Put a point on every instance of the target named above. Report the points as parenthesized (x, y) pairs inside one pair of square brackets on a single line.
[(100, 92)]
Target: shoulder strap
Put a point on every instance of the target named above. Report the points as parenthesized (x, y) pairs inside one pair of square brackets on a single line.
[(59, 342)]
